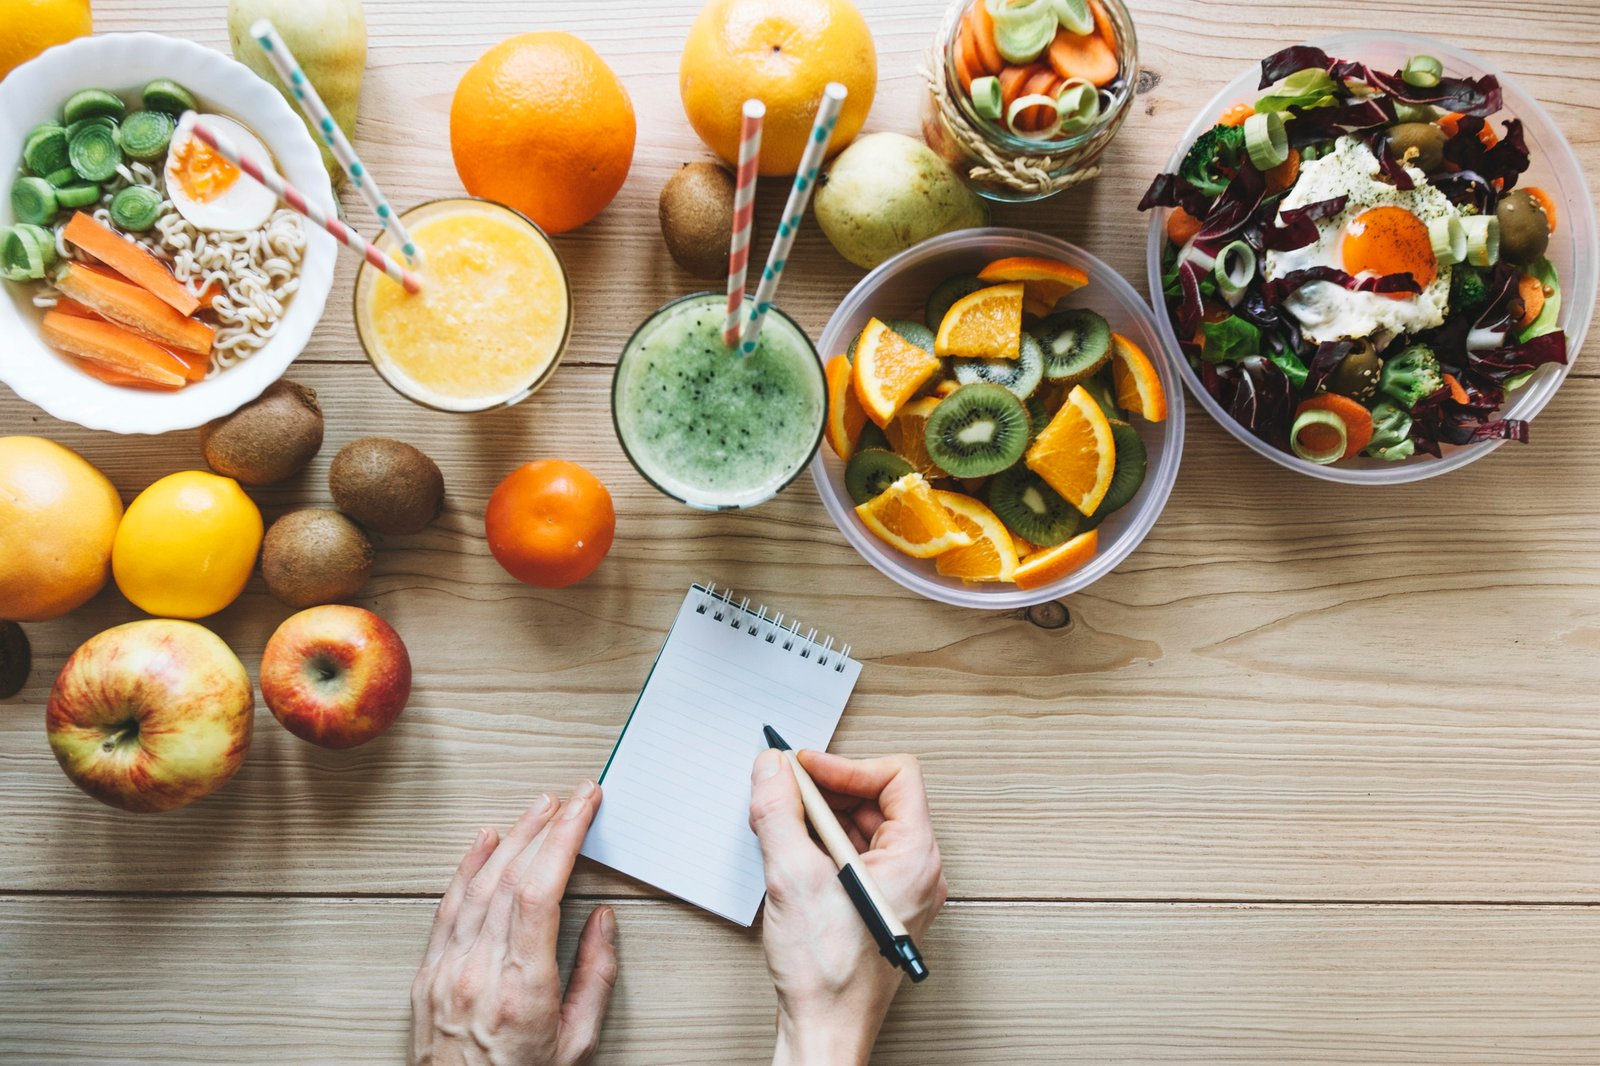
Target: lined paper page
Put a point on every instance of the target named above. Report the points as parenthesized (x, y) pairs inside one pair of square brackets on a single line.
[(677, 789)]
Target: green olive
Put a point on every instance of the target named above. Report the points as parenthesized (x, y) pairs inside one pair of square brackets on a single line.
[(1524, 229), (1425, 137), (1356, 376)]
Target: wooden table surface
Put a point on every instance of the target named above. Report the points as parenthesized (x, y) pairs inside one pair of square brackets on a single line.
[(1314, 776)]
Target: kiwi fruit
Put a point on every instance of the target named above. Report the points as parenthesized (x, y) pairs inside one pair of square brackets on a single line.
[(1031, 509), (911, 332), (386, 485), (1127, 476), (1038, 416), (945, 295), (269, 439), (1076, 343), (1021, 376), (872, 470), (315, 556), (977, 430), (696, 211), (16, 659), (873, 436)]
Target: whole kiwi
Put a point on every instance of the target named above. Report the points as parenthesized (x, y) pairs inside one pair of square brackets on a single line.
[(16, 659), (386, 485), (1427, 138), (1524, 229), (696, 218), (269, 439), (315, 556)]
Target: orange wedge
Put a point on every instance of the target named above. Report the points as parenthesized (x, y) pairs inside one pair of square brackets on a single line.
[(1137, 383), (986, 324), (846, 417), (1044, 281), (991, 556), (907, 517), (908, 436), (1053, 564), (888, 371), (1075, 453)]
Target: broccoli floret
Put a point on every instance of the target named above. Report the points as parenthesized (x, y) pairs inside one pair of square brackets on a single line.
[(1411, 376), (1391, 433), (1468, 290), (1216, 148)]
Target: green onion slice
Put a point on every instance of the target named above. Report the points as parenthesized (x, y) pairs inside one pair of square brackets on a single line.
[(1483, 239), (1074, 15), (986, 100), (1234, 268), (1021, 104), (1422, 71), (1449, 239), (1266, 140), (1319, 418), (1078, 105)]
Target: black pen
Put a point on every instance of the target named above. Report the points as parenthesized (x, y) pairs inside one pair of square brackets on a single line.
[(888, 930)]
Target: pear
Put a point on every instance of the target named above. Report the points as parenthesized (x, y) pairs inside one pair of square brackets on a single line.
[(328, 37)]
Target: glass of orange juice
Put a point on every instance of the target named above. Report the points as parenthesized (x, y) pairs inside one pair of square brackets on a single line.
[(492, 319)]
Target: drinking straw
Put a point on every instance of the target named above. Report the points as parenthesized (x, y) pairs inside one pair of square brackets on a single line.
[(744, 198), (288, 68), (805, 179), (297, 201)]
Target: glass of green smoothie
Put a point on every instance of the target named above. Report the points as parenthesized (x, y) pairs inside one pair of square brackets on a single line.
[(710, 427)]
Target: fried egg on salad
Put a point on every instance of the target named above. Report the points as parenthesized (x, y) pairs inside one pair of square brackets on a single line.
[(1382, 230)]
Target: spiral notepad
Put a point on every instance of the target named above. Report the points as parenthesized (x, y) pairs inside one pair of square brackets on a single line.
[(676, 801)]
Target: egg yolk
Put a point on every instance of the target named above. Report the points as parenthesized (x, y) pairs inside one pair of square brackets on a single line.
[(202, 173), (1390, 240)]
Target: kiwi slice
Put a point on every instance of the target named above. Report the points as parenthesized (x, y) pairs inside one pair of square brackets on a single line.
[(977, 430), (1099, 386), (872, 470), (1031, 509), (945, 295), (1038, 416), (873, 436), (1021, 375), (1128, 475), (911, 332), (1076, 343)]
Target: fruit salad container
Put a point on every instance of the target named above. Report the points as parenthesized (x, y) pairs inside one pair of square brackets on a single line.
[(898, 289)]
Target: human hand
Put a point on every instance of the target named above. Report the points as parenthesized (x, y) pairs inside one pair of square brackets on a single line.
[(834, 988), (488, 991)]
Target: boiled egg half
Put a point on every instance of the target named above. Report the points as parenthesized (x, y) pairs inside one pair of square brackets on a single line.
[(206, 189)]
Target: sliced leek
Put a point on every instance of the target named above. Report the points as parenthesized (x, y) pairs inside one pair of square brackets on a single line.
[(1483, 239), (1321, 457), (1266, 140), (1449, 239)]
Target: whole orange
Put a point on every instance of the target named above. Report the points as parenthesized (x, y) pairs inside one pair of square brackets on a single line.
[(550, 523), (34, 25), (784, 53), (541, 124), (58, 519)]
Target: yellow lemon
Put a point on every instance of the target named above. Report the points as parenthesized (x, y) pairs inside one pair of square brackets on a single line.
[(58, 515), (187, 545), (34, 25)]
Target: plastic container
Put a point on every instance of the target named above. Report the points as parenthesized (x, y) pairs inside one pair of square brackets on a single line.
[(898, 289), (1573, 249)]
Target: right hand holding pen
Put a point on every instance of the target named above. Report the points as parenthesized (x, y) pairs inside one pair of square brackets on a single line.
[(833, 986)]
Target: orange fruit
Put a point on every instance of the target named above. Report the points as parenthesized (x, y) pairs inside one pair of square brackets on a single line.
[(991, 556), (906, 516), (784, 53), (549, 523), (1044, 281), (35, 25), (1136, 381), (1052, 564), (986, 324), (58, 520), (888, 371), (846, 417), (542, 125), (1075, 453), (908, 436)]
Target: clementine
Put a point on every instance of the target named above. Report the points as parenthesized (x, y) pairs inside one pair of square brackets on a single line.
[(550, 523)]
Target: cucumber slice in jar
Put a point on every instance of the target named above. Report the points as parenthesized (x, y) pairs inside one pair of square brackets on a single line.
[(168, 96), (77, 193), (92, 103), (45, 150), (95, 153), (146, 134), (135, 208), (33, 200)]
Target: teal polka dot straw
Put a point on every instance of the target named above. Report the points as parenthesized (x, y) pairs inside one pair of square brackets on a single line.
[(288, 68), (805, 180)]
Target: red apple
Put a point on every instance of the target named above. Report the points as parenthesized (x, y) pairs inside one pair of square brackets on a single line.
[(336, 675), (151, 715)]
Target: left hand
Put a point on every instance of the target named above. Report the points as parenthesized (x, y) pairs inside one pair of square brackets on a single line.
[(488, 991)]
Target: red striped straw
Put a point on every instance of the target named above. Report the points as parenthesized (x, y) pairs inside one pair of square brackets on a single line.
[(297, 201), (744, 198)]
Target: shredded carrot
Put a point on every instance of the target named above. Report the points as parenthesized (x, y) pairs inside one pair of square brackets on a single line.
[(133, 307), (1357, 423), (1457, 393), (131, 261), (1182, 226), (1085, 56), (109, 344), (1236, 114), (1282, 176), (1545, 201), (1530, 293), (982, 26)]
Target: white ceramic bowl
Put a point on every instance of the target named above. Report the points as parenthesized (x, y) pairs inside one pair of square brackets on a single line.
[(898, 289), (123, 63), (1573, 249)]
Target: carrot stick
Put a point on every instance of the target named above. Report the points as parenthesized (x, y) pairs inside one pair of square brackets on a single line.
[(111, 375), (135, 308), (68, 306), (1085, 56), (1357, 423), (111, 345), (1544, 200), (982, 25), (1182, 226), (131, 261)]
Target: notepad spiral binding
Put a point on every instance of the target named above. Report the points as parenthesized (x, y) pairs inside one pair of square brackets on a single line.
[(721, 607)]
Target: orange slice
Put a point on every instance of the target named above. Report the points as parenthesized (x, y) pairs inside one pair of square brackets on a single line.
[(991, 556), (888, 371), (1137, 383), (1053, 564), (908, 436), (1044, 281), (846, 417), (1075, 453), (949, 385), (908, 518), (986, 324)]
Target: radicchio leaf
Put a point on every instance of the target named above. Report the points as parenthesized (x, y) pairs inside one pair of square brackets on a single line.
[(1232, 211), (1467, 96), (1296, 226), (1467, 187), (1279, 289), (1192, 306), (1392, 168), (1329, 355), (1503, 163), (1313, 125), (1274, 403), (1173, 190), (1520, 358)]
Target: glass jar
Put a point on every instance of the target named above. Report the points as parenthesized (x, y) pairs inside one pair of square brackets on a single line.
[(999, 164)]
